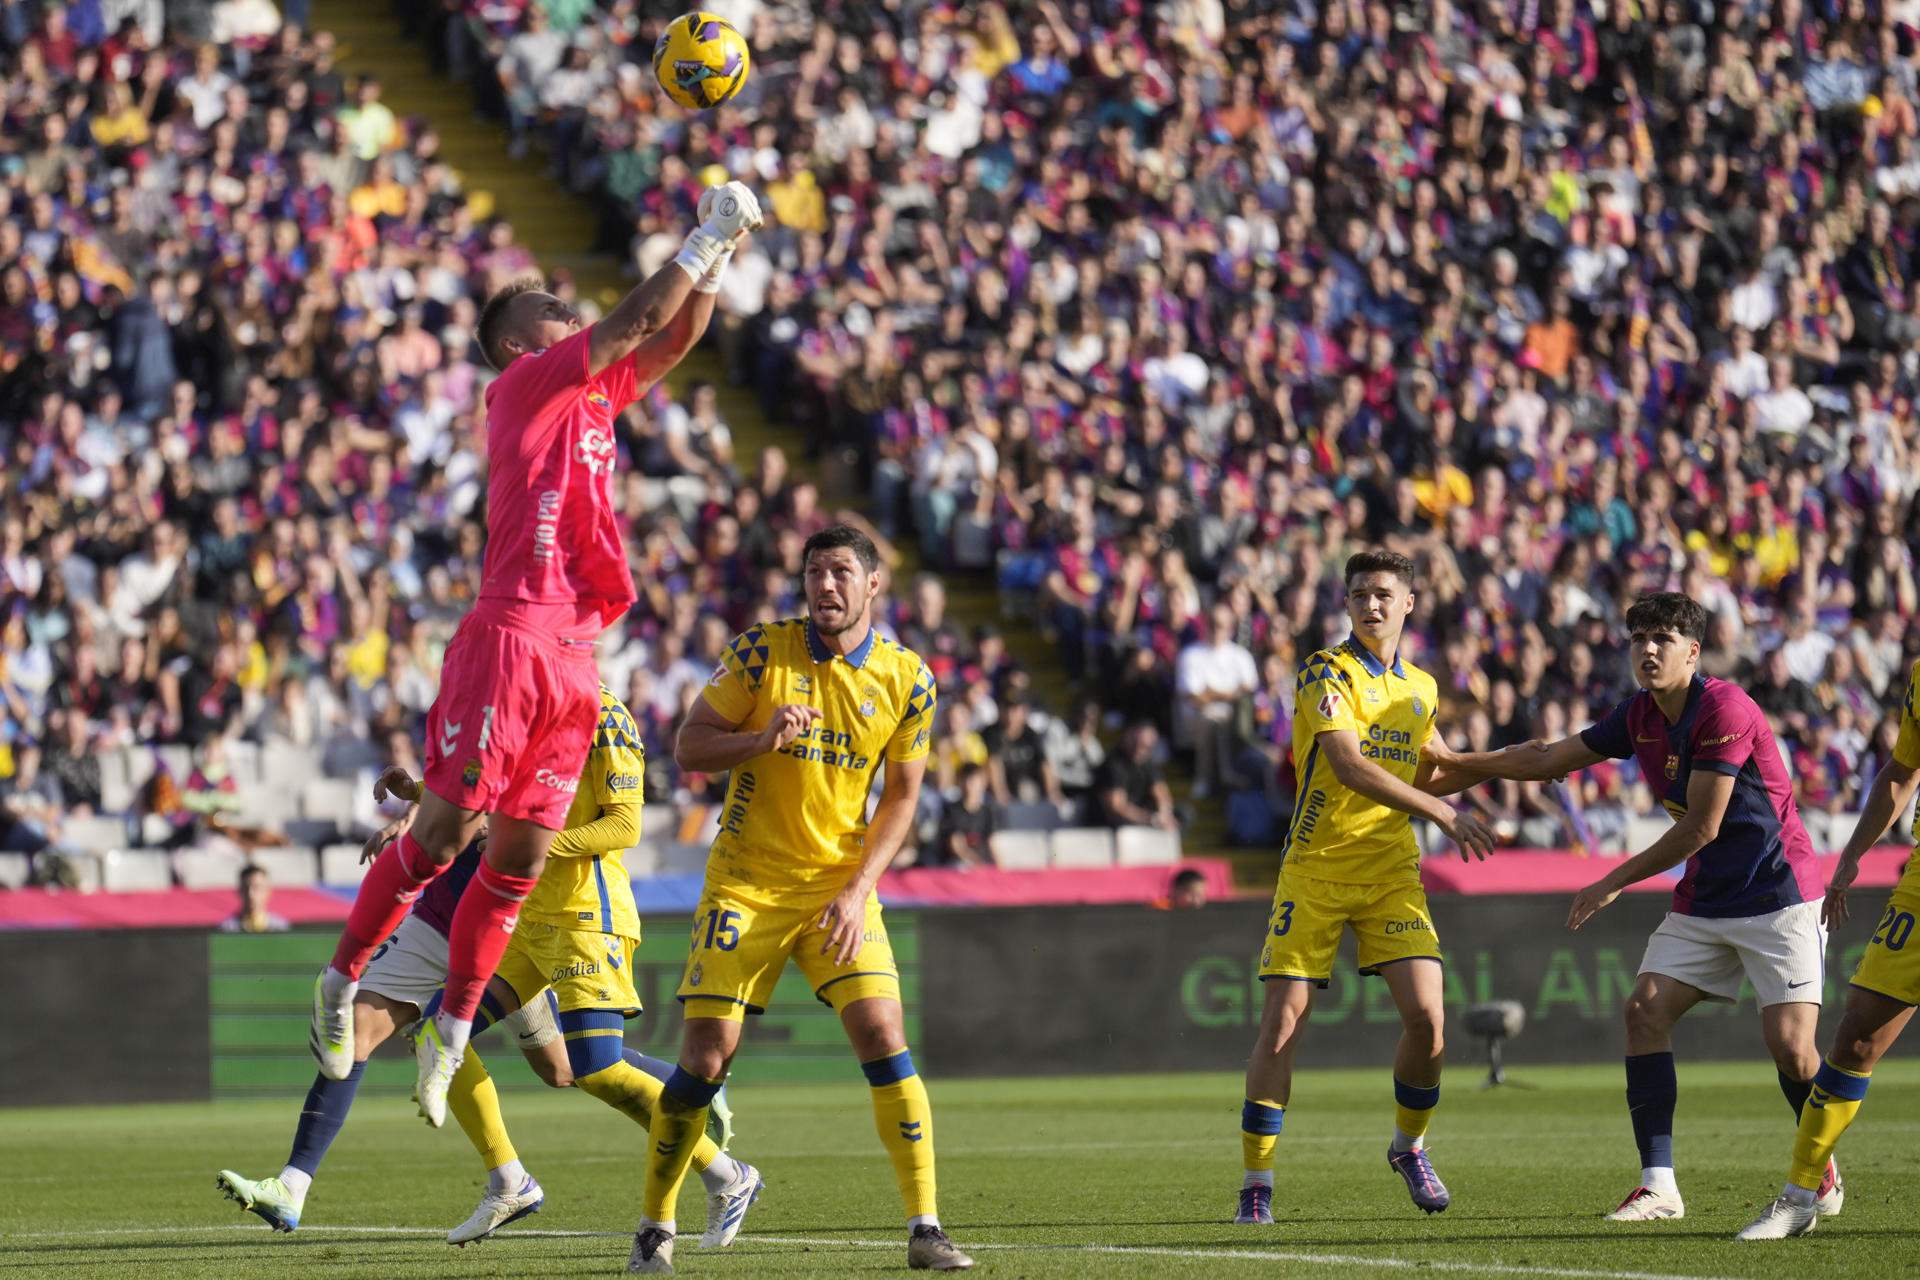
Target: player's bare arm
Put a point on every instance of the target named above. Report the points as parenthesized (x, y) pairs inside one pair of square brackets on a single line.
[(393, 781), (657, 355), (1533, 761), (1708, 794), (845, 917), (709, 743), (1887, 799), (1354, 771), (649, 309)]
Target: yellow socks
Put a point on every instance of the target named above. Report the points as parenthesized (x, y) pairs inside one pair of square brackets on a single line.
[(1260, 1123), (678, 1126), (475, 1103), (1835, 1100), (1412, 1112), (636, 1095), (904, 1118)]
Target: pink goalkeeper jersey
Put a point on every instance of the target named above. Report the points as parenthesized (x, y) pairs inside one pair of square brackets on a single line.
[(552, 536)]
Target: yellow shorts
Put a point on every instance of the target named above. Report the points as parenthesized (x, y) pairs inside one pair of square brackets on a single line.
[(1390, 923), (586, 969), (743, 937), (1891, 965)]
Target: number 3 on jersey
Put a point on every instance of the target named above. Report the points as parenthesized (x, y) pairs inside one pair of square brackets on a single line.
[(722, 929)]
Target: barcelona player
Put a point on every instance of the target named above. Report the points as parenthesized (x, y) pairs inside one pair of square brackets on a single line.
[(1363, 718), (510, 727), (1747, 906), (1880, 1002), (801, 713)]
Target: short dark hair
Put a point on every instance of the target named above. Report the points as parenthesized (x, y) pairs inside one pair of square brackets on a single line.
[(1380, 562), (494, 315), (835, 536), (1668, 610), (249, 871), (1190, 875)]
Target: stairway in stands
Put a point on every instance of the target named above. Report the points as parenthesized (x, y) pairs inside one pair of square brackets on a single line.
[(559, 228)]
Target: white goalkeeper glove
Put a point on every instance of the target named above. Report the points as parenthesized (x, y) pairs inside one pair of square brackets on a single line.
[(725, 213)]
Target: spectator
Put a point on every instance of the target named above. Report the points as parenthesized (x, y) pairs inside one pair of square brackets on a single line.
[(256, 892), (1075, 754), (31, 805), (1017, 758), (1187, 891), (1214, 680), (966, 826), (1132, 785)]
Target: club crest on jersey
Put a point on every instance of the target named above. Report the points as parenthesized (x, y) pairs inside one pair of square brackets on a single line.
[(1419, 708), (598, 399), (1329, 704), (471, 774), (867, 708), (694, 975), (1673, 767)]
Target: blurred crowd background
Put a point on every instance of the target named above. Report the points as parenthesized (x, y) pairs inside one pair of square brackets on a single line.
[(1152, 310)]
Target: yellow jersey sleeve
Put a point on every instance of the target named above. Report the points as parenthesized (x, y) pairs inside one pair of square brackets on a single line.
[(593, 892), (1323, 698), (735, 683), (914, 737), (1906, 751)]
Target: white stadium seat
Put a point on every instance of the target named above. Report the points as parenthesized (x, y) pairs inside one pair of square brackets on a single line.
[(328, 800), (179, 762), (136, 870), (1030, 817), (116, 782), (1019, 850), (296, 867), (1082, 847), (13, 870), (1146, 847), (340, 866), (208, 868), (95, 834)]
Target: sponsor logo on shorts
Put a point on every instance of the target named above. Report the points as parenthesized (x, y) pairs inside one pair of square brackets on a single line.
[(548, 778), (471, 774), (1409, 926), (578, 969), (695, 974)]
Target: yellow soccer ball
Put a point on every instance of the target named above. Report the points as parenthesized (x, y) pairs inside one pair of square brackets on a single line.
[(700, 60)]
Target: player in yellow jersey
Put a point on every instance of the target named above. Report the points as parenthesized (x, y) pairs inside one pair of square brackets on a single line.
[(1361, 718), (801, 713), (567, 972), (1880, 1002)]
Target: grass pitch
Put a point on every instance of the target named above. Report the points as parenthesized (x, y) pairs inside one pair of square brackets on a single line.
[(1108, 1176)]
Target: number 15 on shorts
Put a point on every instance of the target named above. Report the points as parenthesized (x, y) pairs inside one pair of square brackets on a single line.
[(717, 929)]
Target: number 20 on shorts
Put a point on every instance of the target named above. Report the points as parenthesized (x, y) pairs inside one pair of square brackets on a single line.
[(722, 929), (1895, 928)]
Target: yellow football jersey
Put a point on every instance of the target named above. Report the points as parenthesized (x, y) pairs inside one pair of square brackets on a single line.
[(799, 815), (595, 892), (1337, 834), (1907, 751)]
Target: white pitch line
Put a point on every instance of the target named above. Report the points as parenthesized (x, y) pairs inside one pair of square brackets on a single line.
[(826, 1242)]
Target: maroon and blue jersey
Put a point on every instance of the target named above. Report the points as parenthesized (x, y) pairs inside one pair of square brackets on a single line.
[(1761, 860), (439, 899)]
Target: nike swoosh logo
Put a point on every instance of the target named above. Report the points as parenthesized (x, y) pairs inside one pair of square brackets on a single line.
[(1795, 986)]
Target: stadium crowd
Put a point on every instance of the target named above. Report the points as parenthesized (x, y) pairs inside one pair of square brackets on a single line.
[(1156, 309), (1160, 309)]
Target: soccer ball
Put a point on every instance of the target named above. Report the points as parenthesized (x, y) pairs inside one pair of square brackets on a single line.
[(700, 60)]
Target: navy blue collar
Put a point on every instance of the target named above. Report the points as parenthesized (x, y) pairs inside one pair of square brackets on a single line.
[(1374, 666), (818, 651)]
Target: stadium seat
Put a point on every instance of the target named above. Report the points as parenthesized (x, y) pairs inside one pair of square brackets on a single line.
[(243, 758), (340, 866), (14, 868), (1146, 847), (296, 867), (178, 761), (328, 800), (116, 782), (286, 767), (207, 868), (1019, 850), (1029, 817), (95, 834), (135, 870), (1081, 847), (312, 831)]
